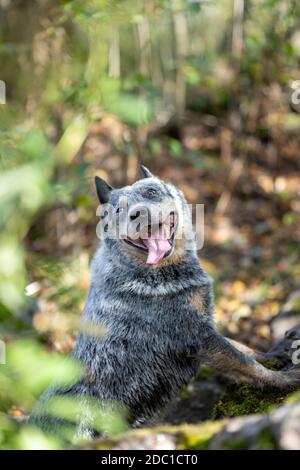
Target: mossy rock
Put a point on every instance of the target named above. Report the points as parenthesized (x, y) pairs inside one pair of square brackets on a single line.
[(240, 400), (198, 437), (186, 437), (264, 441)]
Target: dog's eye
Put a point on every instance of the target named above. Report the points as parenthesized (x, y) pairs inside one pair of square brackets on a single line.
[(103, 215), (120, 210), (150, 192)]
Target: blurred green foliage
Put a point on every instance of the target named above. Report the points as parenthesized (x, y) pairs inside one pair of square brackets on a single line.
[(147, 62), (27, 372)]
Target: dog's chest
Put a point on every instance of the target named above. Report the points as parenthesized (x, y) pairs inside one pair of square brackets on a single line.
[(166, 324)]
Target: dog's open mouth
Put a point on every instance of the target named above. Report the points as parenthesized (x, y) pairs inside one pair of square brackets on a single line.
[(159, 243)]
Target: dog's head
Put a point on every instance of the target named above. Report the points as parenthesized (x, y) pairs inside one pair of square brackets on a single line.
[(146, 221)]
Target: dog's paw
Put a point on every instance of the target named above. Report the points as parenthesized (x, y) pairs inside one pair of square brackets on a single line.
[(292, 378)]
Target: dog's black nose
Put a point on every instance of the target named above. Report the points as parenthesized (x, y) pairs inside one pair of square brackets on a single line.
[(138, 211), (135, 215)]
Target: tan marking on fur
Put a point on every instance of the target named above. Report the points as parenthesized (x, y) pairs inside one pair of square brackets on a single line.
[(177, 255), (133, 253), (257, 355), (176, 258), (197, 301)]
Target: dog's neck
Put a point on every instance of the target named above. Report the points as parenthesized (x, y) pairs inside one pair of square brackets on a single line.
[(111, 271)]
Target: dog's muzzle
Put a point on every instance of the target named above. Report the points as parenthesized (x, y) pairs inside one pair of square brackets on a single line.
[(151, 228)]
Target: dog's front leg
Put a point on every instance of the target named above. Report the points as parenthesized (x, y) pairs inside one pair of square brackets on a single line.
[(223, 356), (257, 355)]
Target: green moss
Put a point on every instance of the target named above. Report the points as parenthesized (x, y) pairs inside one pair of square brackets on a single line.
[(237, 444), (205, 373), (239, 400), (184, 393), (292, 398), (198, 437), (296, 305), (263, 441), (271, 364), (266, 441)]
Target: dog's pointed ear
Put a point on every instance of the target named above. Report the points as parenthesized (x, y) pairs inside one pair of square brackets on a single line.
[(103, 190), (145, 172)]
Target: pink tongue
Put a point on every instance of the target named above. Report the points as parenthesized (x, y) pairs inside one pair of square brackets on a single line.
[(158, 246)]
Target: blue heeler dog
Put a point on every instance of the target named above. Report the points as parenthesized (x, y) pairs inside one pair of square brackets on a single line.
[(155, 303)]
